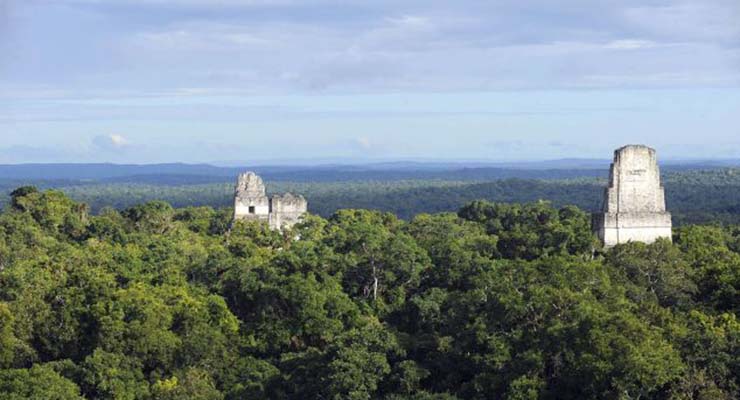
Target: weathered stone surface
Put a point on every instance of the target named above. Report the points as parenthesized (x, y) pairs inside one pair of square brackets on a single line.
[(634, 202), (252, 203), (287, 209)]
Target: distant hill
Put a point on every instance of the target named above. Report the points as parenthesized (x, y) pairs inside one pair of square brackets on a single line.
[(385, 171), (694, 194), (203, 173), (71, 175)]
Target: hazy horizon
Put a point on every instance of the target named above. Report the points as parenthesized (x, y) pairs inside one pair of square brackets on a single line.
[(567, 162)]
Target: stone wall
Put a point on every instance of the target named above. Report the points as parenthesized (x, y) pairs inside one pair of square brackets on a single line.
[(250, 200), (634, 182), (287, 209), (634, 201), (252, 203), (613, 229)]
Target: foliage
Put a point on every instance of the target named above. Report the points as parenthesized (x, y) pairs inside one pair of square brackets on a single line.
[(694, 194), (497, 301)]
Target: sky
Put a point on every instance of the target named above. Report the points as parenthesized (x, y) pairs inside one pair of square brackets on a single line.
[(219, 81)]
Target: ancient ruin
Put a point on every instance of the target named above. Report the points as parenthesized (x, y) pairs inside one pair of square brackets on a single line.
[(634, 202), (252, 203)]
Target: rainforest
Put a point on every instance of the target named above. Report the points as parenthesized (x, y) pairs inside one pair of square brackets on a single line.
[(493, 301)]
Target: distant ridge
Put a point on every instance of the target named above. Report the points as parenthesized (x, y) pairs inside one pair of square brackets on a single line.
[(181, 173)]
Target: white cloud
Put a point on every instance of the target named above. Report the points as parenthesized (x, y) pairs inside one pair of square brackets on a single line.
[(118, 140), (365, 146), (711, 20), (410, 21), (199, 37), (383, 46), (630, 44), (112, 142), (180, 3), (363, 143)]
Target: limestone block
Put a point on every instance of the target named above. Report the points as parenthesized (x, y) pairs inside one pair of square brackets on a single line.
[(250, 200), (634, 202), (252, 203), (287, 210)]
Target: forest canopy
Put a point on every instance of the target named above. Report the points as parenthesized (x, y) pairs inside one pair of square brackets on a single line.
[(502, 301), (694, 196)]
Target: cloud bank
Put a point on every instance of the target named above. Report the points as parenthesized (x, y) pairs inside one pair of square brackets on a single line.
[(262, 46), (231, 79)]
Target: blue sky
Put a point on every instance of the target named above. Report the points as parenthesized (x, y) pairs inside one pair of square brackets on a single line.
[(258, 80)]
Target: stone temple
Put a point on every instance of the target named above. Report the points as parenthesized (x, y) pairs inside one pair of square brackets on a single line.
[(252, 203), (634, 203)]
